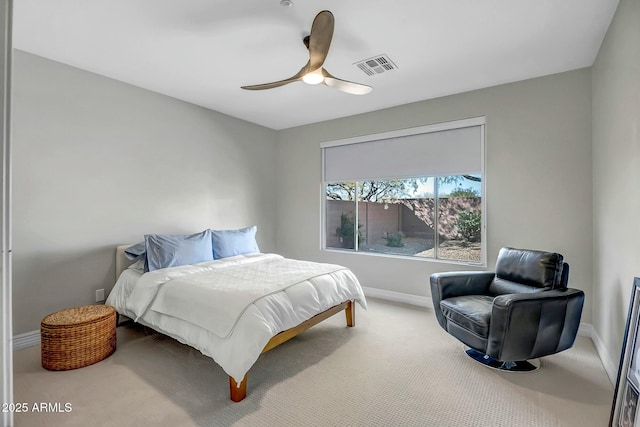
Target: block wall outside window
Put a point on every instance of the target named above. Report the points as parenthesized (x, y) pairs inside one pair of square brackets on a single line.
[(409, 218), (415, 192)]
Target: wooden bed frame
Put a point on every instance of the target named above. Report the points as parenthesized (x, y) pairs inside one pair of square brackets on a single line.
[(239, 391)]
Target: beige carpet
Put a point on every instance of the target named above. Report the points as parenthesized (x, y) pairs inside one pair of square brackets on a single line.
[(397, 367)]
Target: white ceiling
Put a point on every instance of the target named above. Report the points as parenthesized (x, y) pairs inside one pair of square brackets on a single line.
[(202, 51)]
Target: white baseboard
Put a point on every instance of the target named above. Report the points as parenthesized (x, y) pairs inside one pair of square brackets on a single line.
[(398, 297), (28, 339), (584, 330), (610, 367), (32, 338)]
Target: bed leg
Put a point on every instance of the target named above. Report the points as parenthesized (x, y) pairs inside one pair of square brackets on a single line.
[(238, 393), (350, 311)]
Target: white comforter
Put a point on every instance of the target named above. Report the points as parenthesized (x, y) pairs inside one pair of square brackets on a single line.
[(229, 309)]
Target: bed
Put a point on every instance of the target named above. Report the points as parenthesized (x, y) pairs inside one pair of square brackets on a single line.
[(234, 308)]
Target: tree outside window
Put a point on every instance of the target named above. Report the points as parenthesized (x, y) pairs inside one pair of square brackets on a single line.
[(429, 217)]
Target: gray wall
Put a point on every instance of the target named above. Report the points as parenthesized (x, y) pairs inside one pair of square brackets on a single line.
[(538, 177), (99, 163), (616, 177)]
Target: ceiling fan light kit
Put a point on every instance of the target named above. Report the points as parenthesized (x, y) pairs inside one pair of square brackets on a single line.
[(313, 78), (317, 43)]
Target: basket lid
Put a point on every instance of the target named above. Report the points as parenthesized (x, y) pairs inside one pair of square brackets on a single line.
[(77, 315)]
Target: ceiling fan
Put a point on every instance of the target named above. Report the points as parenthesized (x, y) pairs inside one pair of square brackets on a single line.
[(318, 42)]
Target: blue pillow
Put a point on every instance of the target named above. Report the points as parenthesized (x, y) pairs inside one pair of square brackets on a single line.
[(165, 251), (136, 251), (228, 243)]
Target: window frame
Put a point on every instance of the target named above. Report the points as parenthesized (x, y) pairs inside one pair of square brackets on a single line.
[(437, 127)]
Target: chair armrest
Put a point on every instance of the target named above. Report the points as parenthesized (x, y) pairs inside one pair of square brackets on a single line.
[(455, 284), (458, 283), (507, 300), (531, 325)]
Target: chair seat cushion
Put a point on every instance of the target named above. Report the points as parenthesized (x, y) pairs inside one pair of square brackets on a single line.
[(471, 312)]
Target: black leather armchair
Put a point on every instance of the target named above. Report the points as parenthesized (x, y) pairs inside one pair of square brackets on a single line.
[(522, 311)]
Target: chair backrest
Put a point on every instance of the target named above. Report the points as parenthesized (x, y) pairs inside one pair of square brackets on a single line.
[(525, 270)]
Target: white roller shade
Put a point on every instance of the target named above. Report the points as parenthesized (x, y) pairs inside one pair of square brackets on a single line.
[(441, 153)]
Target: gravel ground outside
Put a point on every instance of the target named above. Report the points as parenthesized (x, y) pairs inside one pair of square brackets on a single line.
[(451, 249)]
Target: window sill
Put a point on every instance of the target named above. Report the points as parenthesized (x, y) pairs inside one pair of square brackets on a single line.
[(407, 257)]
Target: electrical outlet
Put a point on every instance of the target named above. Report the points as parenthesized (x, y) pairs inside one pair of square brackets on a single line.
[(99, 295)]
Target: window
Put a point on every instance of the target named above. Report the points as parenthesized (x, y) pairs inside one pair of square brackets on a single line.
[(417, 193)]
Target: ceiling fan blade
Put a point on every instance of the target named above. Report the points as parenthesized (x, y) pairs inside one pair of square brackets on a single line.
[(294, 78), (320, 39), (344, 85), (270, 85)]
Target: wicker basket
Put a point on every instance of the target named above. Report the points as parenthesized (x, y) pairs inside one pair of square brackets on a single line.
[(78, 337)]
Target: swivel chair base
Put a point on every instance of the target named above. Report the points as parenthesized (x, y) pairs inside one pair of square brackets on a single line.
[(508, 366)]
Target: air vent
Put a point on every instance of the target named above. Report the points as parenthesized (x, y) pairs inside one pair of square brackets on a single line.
[(376, 65)]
